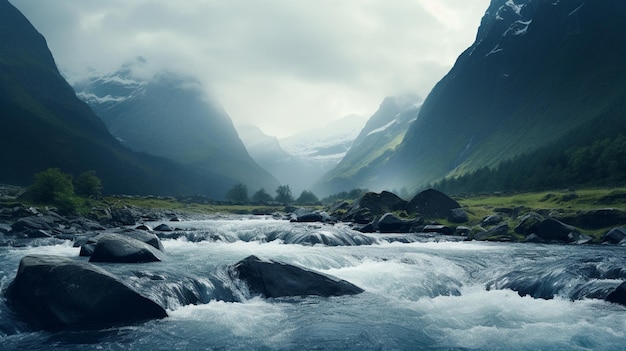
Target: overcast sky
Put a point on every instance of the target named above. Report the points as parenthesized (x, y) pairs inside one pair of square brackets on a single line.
[(283, 65)]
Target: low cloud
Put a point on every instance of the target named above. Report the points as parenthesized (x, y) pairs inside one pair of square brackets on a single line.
[(280, 64)]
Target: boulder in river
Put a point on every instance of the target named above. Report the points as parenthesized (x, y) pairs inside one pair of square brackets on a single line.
[(53, 292), (275, 279), (123, 249)]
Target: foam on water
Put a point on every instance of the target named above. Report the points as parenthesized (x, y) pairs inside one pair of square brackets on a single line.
[(422, 295)]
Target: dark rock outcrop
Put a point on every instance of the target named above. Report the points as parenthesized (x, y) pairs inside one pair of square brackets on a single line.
[(528, 224), (614, 236), (458, 215), (276, 279), (53, 292), (373, 205), (87, 246), (553, 230), (47, 223), (618, 295), (432, 203), (390, 223), (438, 228), (123, 249), (596, 219)]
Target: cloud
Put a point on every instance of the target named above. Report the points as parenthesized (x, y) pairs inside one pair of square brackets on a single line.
[(280, 64)]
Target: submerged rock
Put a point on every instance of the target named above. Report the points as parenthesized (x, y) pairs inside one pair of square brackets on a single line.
[(275, 279), (123, 249), (52, 292)]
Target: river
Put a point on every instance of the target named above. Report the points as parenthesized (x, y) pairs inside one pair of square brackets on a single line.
[(430, 294)]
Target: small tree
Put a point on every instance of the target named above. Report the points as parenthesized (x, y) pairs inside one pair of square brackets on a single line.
[(88, 185), (283, 194), (307, 197), (262, 197), (54, 187), (51, 185), (238, 193)]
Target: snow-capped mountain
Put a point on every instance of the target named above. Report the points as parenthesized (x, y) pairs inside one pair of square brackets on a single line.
[(376, 141), (538, 70), (300, 160), (325, 146), (167, 114)]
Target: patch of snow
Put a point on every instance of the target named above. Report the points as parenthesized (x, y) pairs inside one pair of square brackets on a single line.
[(101, 100), (120, 80), (495, 50), (378, 130), (516, 8), (518, 28), (576, 10)]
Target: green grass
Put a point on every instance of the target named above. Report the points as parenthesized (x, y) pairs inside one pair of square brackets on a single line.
[(563, 202)]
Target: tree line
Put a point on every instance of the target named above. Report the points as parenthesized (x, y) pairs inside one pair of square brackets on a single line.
[(239, 194)]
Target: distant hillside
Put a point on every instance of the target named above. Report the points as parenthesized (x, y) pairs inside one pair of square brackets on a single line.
[(382, 133), (287, 168), (326, 146), (537, 71), (169, 115), (45, 125)]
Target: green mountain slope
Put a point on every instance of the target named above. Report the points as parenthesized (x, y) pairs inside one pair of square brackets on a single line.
[(537, 70), (513, 93), (45, 125), (377, 141)]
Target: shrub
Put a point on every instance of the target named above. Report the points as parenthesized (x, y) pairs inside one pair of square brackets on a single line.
[(88, 185)]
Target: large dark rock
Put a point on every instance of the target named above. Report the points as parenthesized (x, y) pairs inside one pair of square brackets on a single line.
[(596, 219), (276, 279), (88, 245), (119, 248), (458, 215), (47, 223), (528, 224), (618, 295), (123, 216), (497, 233), (432, 203), (614, 236), (390, 223), (308, 216), (553, 230), (54, 292), (373, 205)]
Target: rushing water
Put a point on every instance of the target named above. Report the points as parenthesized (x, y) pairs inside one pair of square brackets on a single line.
[(424, 295)]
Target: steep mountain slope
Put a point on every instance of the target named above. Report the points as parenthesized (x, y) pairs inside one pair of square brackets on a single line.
[(537, 70), (375, 143), (326, 146), (45, 125), (169, 115), (268, 153)]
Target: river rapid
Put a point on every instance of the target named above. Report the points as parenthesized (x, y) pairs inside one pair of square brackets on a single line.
[(433, 293)]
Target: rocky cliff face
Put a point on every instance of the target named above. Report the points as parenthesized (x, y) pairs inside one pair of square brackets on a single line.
[(169, 115), (538, 69)]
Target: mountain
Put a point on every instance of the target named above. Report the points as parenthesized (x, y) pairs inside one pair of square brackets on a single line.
[(45, 125), (287, 168), (537, 71), (327, 145), (169, 115), (382, 133)]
